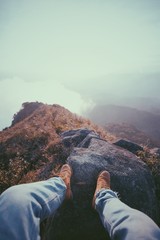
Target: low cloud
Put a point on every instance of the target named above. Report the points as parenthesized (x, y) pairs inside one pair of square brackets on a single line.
[(15, 91), (77, 53), (115, 87)]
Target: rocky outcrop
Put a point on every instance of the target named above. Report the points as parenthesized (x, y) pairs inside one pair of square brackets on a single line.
[(130, 177), (38, 143), (73, 137), (31, 149), (130, 146), (78, 137)]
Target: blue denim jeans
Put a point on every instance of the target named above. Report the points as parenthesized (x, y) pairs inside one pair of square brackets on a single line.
[(123, 222), (23, 207)]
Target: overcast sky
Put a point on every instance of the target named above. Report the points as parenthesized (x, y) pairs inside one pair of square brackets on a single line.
[(77, 52)]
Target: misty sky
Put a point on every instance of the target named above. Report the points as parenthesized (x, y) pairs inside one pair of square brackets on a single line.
[(77, 52)]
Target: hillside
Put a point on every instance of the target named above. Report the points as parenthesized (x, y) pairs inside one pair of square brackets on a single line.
[(43, 137), (148, 104), (31, 148), (130, 132), (146, 122)]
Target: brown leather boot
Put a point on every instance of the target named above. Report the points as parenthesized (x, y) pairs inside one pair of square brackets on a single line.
[(103, 182), (65, 174)]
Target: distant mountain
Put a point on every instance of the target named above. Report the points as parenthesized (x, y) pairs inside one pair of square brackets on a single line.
[(144, 121), (148, 104), (130, 132)]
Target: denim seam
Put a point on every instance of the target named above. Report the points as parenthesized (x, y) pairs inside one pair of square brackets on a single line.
[(51, 198), (43, 204)]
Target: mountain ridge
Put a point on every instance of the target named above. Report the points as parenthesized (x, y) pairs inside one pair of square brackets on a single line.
[(28, 145), (45, 137), (144, 121)]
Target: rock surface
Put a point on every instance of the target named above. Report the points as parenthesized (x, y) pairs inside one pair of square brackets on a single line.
[(130, 177), (74, 137), (130, 146)]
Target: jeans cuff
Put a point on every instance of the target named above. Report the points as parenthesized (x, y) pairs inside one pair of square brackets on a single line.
[(107, 192)]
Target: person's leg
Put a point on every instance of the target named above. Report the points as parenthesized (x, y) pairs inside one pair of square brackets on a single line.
[(121, 221), (23, 207)]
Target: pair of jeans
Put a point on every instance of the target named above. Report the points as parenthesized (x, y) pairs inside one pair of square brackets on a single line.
[(123, 222), (23, 207)]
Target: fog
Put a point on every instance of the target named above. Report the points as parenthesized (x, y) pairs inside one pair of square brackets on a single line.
[(77, 53)]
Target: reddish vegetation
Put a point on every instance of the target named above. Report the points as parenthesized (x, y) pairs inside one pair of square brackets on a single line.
[(31, 148)]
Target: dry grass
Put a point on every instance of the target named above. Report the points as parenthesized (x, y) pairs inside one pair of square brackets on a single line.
[(153, 162), (31, 149)]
